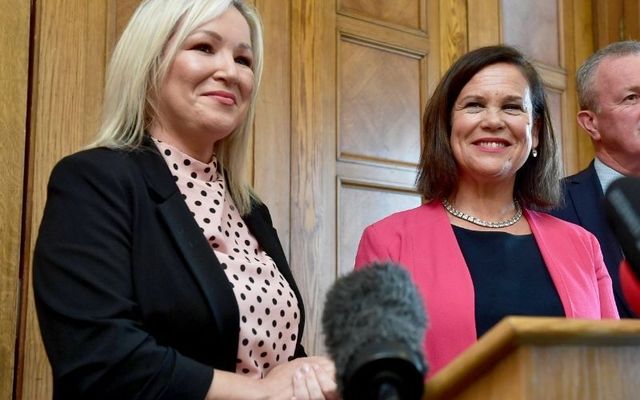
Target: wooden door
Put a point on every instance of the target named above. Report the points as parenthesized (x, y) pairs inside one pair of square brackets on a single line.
[(361, 71)]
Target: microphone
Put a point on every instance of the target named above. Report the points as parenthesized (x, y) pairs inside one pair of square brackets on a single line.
[(630, 285), (374, 323), (622, 203)]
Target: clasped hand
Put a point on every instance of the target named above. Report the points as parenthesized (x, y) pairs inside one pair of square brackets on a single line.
[(308, 378)]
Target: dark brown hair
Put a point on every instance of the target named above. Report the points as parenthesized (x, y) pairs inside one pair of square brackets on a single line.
[(537, 182)]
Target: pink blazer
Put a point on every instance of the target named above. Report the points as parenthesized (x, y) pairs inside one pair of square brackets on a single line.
[(422, 240)]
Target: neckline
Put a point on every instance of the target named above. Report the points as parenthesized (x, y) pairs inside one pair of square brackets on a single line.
[(187, 165)]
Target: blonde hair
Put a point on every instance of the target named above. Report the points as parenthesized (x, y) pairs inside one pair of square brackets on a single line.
[(139, 63)]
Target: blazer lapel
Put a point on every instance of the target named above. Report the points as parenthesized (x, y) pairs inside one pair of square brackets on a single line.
[(586, 195), (197, 253)]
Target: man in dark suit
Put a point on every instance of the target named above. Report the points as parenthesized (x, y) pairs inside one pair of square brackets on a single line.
[(608, 85)]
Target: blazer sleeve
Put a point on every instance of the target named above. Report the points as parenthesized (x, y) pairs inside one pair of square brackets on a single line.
[(89, 319), (608, 308)]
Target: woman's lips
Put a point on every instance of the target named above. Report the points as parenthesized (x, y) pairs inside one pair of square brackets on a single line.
[(491, 145), (223, 97)]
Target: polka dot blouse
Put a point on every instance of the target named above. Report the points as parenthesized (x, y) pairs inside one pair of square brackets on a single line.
[(269, 312)]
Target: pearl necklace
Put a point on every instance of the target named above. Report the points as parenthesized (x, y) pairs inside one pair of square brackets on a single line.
[(477, 221)]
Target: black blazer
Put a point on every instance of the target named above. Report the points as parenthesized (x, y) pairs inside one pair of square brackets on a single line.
[(584, 205), (131, 300)]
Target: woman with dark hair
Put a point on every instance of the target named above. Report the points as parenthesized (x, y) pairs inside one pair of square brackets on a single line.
[(476, 248)]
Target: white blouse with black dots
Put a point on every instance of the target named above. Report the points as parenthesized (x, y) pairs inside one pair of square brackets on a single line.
[(269, 312)]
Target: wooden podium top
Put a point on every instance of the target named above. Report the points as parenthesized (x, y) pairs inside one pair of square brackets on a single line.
[(518, 332)]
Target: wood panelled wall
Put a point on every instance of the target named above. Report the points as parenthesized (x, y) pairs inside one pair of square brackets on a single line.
[(336, 135), (14, 78), (69, 55)]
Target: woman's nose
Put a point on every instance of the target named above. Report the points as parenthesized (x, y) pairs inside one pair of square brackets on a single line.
[(226, 67), (492, 119)]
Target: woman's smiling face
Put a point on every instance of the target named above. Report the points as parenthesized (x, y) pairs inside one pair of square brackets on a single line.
[(492, 125), (207, 90)]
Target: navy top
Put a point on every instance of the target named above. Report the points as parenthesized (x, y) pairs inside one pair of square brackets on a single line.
[(509, 277)]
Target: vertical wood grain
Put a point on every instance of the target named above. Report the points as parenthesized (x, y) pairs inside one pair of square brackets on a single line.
[(453, 31), (14, 46), (607, 21), (68, 75), (433, 65), (272, 127), (313, 82), (484, 23), (404, 13), (631, 19), (570, 136), (583, 47)]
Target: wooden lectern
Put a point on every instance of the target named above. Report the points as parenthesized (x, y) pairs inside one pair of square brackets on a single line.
[(546, 358)]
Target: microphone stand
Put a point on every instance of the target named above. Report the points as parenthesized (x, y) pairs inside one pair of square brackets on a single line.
[(384, 371)]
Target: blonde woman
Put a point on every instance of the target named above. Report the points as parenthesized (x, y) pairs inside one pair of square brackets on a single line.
[(157, 272)]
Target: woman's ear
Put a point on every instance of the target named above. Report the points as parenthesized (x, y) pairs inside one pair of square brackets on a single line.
[(535, 134)]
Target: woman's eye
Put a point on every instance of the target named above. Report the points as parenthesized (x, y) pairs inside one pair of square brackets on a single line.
[(513, 108), (632, 98), (246, 61), (203, 47), (473, 106)]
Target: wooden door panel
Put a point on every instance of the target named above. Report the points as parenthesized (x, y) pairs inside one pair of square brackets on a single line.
[(406, 13), (361, 203), (534, 27), (379, 103)]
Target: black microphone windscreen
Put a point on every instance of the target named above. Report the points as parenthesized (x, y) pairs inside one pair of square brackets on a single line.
[(623, 209), (376, 304)]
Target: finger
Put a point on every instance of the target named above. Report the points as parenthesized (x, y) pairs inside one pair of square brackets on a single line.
[(328, 366), (299, 386), (311, 380), (327, 383)]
